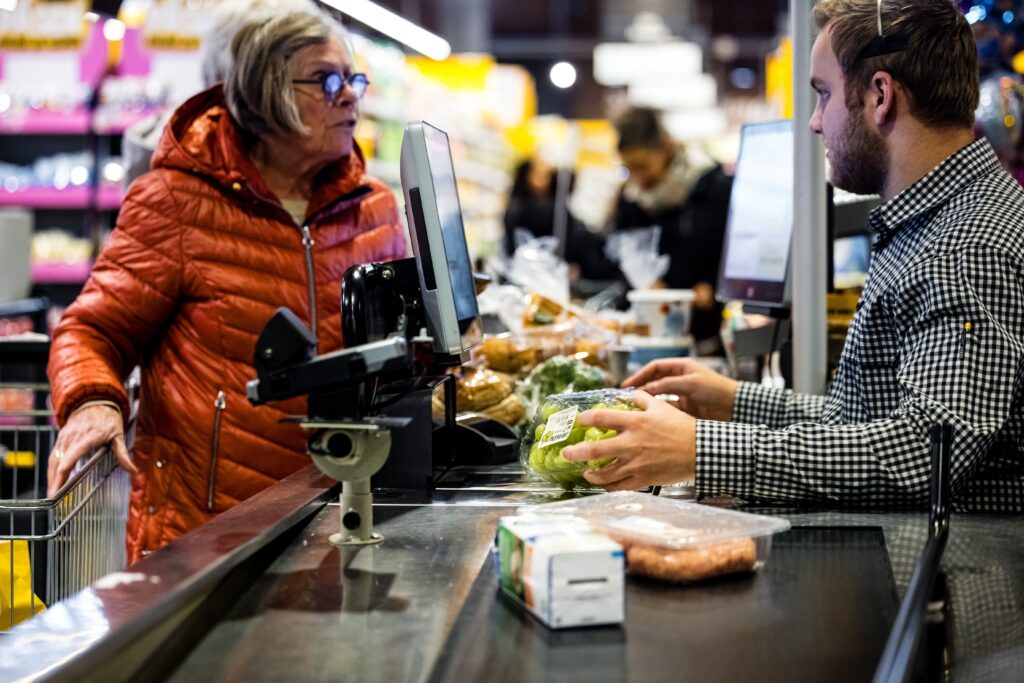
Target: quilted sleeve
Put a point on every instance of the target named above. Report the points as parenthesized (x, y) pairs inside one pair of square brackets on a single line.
[(133, 289)]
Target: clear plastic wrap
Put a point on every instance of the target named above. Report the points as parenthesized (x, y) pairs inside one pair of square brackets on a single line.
[(537, 266), (636, 252), (558, 375), (555, 426), (673, 540)]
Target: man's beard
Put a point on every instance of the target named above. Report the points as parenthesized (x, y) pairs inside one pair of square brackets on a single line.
[(860, 163)]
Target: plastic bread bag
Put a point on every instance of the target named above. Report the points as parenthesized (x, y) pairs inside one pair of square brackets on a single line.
[(555, 426), (636, 253), (674, 540), (537, 267)]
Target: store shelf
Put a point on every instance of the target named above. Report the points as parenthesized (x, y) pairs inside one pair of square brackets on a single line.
[(117, 122), (110, 198), (60, 273), (75, 122), (42, 122)]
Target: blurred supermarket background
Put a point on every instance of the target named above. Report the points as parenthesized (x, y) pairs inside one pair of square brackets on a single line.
[(508, 80)]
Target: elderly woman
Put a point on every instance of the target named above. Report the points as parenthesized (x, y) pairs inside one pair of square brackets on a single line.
[(258, 198)]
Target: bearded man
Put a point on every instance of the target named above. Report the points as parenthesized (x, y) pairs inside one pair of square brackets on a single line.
[(938, 335)]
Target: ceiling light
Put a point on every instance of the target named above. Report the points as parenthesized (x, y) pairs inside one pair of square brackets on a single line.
[(390, 24), (563, 75)]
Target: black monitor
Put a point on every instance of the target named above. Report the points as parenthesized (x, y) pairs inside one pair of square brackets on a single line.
[(758, 234), (439, 240)]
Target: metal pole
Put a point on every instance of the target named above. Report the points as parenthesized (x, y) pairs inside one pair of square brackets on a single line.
[(809, 265)]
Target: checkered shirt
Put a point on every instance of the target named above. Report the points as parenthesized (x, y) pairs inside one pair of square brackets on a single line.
[(947, 251)]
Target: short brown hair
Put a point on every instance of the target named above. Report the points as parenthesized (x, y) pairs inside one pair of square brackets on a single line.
[(641, 127), (938, 67)]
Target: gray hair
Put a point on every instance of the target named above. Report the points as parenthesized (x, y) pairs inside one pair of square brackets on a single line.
[(258, 87), (229, 17)]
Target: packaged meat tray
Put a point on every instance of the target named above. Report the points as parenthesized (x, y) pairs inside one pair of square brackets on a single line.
[(673, 540)]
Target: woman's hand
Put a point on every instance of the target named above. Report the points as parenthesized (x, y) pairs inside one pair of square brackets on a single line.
[(702, 392), (656, 445), (87, 429)]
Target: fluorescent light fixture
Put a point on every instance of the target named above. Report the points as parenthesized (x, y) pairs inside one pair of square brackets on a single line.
[(390, 24), (625, 63), (685, 92), (563, 75), (8, 5), (695, 124)]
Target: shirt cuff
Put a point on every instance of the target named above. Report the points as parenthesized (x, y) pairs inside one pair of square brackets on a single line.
[(97, 402), (725, 459)]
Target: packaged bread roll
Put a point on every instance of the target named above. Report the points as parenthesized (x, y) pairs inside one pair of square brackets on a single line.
[(481, 389)]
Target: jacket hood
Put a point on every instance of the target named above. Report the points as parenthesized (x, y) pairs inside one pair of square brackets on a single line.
[(201, 138)]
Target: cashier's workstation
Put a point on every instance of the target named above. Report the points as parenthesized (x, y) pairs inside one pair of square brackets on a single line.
[(424, 543)]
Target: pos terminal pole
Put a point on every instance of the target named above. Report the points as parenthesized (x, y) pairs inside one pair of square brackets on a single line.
[(808, 264)]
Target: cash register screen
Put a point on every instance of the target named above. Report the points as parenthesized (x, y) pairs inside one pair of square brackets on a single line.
[(755, 255), (452, 231)]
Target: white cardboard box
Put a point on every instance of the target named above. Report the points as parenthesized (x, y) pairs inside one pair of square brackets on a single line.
[(561, 570)]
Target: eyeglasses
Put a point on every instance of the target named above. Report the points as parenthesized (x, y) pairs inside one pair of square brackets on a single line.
[(881, 44), (333, 82)]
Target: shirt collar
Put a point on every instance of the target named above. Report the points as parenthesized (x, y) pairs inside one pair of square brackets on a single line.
[(937, 187)]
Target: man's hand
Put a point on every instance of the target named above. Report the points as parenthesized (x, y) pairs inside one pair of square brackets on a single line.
[(702, 392), (87, 428), (656, 445)]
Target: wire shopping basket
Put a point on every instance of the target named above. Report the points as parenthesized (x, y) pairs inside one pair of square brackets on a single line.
[(53, 547)]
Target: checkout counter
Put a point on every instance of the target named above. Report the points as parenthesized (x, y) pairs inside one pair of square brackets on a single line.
[(296, 584), (259, 594)]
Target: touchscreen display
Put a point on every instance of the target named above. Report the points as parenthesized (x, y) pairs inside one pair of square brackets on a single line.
[(452, 232), (761, 208)]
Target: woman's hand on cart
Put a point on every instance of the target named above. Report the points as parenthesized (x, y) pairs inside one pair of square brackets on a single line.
[(87, 429)]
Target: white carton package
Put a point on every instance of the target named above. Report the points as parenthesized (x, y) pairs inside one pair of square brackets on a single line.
[(560, 570)]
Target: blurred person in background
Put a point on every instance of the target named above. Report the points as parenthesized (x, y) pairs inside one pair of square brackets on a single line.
[(142, 138), (686, 193), (533, 201), (258, 198)]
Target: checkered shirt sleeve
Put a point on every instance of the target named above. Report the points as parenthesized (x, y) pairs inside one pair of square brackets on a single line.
[(777, 408), (946, 255)]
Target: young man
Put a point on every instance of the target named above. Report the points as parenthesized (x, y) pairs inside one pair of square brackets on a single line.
[(939, 332)]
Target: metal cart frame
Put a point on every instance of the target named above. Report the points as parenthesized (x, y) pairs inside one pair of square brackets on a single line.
[(55, 546)]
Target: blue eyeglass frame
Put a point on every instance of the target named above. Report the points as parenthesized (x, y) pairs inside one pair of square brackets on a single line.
[(333, 82)]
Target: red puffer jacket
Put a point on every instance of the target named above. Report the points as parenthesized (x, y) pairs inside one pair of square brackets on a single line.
[(202, 256)]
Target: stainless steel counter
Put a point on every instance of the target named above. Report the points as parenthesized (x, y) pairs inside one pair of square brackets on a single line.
[(258, 594)]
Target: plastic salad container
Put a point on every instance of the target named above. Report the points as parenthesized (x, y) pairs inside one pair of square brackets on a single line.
[(555, 426), (674, 540)]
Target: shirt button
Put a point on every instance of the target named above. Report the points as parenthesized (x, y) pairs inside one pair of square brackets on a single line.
[(160, 464), (236, 186), (152, 509)]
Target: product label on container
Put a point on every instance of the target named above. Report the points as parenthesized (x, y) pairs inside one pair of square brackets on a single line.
[(558, 427)]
